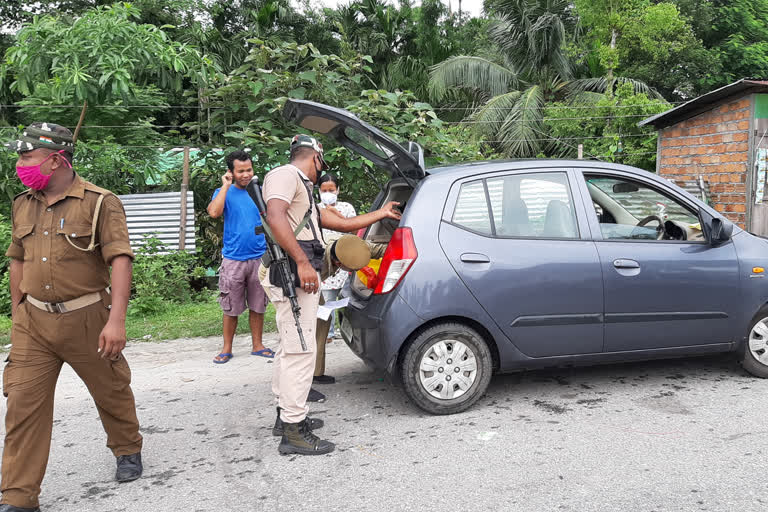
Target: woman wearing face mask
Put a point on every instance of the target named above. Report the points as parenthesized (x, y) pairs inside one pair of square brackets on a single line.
[(329, 191)]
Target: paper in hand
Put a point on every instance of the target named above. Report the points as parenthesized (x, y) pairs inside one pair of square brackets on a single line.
[(325, 310)]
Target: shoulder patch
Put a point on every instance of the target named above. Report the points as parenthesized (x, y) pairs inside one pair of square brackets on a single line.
[(90, 187), (21, 194)]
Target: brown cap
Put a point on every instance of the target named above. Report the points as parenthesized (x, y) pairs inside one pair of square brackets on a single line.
[(351, 251)]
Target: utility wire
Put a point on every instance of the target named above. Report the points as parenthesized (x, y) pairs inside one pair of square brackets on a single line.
[(573, 107), (159, 107), (198, 107)]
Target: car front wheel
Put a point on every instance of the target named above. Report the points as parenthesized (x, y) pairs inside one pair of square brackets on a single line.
[(447, 368), (754, 359)]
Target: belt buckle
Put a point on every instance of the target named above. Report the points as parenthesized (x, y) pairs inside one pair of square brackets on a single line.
[(54, 307)]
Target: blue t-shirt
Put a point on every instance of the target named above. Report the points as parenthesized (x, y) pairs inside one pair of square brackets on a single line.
[(240, 219)]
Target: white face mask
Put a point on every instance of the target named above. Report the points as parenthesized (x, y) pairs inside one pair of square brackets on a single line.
[(328, 198)]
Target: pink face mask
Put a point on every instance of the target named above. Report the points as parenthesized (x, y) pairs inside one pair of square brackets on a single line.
[(31, 176)]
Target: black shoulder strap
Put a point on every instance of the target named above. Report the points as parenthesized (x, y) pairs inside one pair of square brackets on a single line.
[(308, 215)]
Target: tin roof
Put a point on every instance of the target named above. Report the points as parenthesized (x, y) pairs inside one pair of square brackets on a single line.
[(706, 102)]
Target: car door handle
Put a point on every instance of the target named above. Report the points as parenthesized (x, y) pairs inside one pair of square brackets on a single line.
[(473, 257), (622, 263)]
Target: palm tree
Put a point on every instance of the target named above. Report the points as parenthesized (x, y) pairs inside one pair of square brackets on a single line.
[(531, 69)]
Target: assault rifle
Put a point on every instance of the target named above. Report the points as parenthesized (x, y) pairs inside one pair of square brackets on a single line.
[(275, 256)]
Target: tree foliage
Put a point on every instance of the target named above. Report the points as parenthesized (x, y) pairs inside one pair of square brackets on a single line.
[(532, 70), (607, 127), (102, 57)]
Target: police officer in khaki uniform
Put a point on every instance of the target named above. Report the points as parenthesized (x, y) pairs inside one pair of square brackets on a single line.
[(287, 192), (349, 253), (66, 235)]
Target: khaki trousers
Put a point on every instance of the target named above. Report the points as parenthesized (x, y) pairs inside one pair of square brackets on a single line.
[(293, 367), (321, 339), (42, 343)]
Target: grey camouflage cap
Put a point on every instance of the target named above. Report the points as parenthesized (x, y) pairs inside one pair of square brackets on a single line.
[(309, 142), (43, 135)]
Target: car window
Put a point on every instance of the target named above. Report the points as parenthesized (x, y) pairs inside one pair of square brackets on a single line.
[(631, 210), (472, 208), (367, 142), (533, 206)]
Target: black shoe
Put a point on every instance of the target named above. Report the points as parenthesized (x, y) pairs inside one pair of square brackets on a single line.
[(11, 508), (313, 424), (315, 396), (323, 379), (299, 439), (129, 467)]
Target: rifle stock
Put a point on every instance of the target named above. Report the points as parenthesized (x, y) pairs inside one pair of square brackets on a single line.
[(277, 256)]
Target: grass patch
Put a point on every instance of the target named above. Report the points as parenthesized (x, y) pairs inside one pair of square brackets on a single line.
[(190, 320)]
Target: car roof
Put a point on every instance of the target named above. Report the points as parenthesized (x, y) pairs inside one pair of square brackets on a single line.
[(482, 166), (462, 170)]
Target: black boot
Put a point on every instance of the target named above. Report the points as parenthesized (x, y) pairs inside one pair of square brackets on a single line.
[(299, 439), (323, 379), (129, 467), (314, 424), (315, 396), (11, 508)]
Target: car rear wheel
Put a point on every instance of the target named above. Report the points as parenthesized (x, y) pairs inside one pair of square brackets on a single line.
[(755, 355), (447, 368)]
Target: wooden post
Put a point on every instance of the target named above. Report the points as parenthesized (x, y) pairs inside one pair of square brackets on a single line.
[(80, 122), (581, 151), (184, 188)]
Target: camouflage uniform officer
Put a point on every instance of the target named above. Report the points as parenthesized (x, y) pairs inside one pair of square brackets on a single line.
[(66, 234)]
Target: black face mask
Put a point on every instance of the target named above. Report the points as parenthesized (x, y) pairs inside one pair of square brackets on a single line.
[(318, 172)]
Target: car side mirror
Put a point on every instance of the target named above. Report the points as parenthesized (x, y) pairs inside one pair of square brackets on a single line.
[(625, 188), (721, 231), (717, 230)]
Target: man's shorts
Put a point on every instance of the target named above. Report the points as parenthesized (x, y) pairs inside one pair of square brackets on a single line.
[(238, 283)]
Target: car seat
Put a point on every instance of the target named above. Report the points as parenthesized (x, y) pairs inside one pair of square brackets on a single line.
[(558, 222), (514, 219)]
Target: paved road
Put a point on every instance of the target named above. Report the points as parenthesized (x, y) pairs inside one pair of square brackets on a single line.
[(662, 436)]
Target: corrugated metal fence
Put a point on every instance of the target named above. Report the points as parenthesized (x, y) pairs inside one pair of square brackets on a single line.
[(159, 214)]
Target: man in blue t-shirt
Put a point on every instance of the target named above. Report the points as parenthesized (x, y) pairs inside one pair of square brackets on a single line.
[(243, 248)]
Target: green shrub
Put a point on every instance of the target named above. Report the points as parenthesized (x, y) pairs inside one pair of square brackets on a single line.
[(5, 287), (162, 276)]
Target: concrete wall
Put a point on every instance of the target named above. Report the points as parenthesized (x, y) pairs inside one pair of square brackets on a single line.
[(715, 145)]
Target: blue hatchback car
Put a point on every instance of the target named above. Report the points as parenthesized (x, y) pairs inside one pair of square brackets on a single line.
[(512, 265)]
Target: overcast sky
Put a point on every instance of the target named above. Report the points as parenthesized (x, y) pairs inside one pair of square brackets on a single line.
[(474, 7)]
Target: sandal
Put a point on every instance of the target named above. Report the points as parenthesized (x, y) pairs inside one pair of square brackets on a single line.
[(222, 358), (265, 352)]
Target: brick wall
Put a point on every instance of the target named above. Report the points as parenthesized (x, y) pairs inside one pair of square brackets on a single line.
[(714, 145)]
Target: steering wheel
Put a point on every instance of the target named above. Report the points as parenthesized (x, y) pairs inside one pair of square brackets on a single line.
[(661, 231)]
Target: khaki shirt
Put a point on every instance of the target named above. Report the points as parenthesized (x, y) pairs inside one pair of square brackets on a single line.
[(288, 184), (54, 271)]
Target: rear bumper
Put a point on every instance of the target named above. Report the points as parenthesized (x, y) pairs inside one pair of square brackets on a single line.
[(376, 329)]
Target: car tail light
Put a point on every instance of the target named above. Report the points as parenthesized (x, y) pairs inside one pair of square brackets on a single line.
[(398, 259)]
